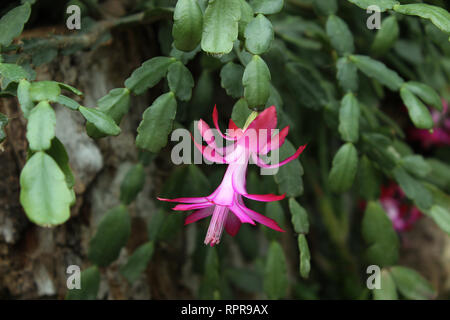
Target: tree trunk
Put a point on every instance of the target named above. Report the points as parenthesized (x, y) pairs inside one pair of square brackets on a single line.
[(33, 260)]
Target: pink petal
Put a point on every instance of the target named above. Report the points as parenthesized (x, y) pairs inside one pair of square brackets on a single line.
[(232, 225), (241, 214), (261, 163), (233, 130), (186, 207), (216, 124), (276, 141), (232, 125), (185, 200), (209, 153), (261, 219), (238, 180), (265, 197), (265, 120), (207, 133), (199, 214)]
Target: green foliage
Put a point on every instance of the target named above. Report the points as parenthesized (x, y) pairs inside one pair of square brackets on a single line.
[(258, 35), (299, 217), (340, 35), (304, 60), (11, 73), (211, 281), (132, 184), (188, 24), (58, 152), (267, 6), (148, 74), (256, 82), (220, 26), (138, 262), (44, 193), (307, 85), (378, 70), (44, 90), (305, 257), (426, 93), (289, 176), (369, 179), (413, 188), (274, 210), (382, 4), (326, 7), (379, 234), (246, 17), (416, 165), (156, 123), (349, 118), (388, 290), (418, 113), (3, 123), (67, 102), (12, 23), (180, 81), (439, 16), (89, 282), (101, 121), (439, 211), (386, 36), (23, 94), (41, 126), (343, 172), (411, 284), (112, 234), (347, 74), (240, 112), (275, 272), (228, 75), (115, 105)]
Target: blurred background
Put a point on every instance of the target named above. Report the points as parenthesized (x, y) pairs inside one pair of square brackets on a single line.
[(98, 58)]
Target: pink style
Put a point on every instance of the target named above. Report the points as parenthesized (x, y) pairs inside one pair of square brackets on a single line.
[(226, 204)]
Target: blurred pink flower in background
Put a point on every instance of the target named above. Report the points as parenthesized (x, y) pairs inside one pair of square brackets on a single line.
[(226, 204), (402, 214), (441, 132)]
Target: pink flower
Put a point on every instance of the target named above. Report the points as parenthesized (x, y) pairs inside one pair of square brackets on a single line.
[(226, 204), (402, 215), (441, 132)]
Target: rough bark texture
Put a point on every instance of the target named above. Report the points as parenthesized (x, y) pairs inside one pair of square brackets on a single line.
[(33, 260)]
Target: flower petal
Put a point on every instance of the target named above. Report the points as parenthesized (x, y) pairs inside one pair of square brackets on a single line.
[(186, 207), (185, 200), (265, 197), (275, 142), (199, 214), (238, 179), (267, 119), (232, 225), (216, 124), (240, 214), (207, 133), (209, 153), (262, 164), (260, 218)]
